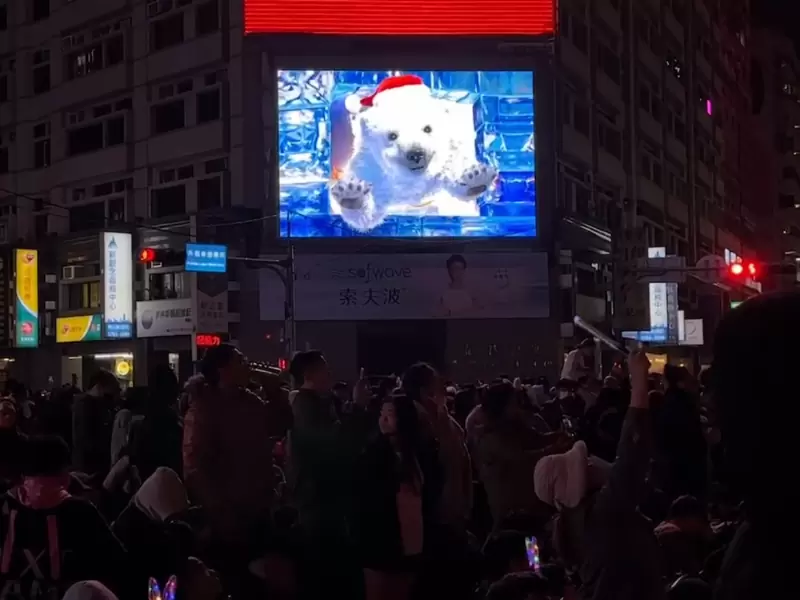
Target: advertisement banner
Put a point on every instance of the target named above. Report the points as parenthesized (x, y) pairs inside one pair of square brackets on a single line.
[(27, 305), (404, 18), (413, 154), (5, 269), (212, 303), (88, 328), (157, 318), (117, 285), (412, 286), (663, 310)]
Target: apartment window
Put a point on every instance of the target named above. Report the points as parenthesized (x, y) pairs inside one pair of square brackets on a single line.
[(209, 193), (576, 113), (4, 166), (610, 139), (574, 28), (207, 18), (41, 71), (168, 201), (3, 17), (87, 216), (82, 296), (41, 146), (651, 167), (116, 210), (168, 116), (166, 32), (609, 62), (41, 225), (649, 101), (676, 186), (98, 127), (97, 56), (208, 105), (40, 9), (676, 124)]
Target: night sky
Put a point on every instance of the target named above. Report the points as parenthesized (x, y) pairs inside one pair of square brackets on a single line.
[(783, 14)]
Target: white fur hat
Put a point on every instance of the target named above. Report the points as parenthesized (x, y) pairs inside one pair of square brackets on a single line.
[(561, 480)]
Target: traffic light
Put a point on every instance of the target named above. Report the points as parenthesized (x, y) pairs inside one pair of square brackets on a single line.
[(743, 270), (147, 255)]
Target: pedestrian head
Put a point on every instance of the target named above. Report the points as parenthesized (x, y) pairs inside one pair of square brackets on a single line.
[(225, 366), (310, 370)]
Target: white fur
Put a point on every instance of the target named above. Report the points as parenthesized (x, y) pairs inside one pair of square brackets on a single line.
[(380, 167)]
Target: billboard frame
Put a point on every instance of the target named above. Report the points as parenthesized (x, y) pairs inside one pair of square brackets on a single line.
[(372, 54)]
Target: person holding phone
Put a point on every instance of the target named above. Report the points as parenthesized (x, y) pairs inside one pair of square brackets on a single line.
[(599, 531)]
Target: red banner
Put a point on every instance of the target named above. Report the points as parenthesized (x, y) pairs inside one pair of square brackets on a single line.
[(401, 17)]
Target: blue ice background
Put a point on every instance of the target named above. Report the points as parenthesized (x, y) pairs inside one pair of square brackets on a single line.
[(503, 106)]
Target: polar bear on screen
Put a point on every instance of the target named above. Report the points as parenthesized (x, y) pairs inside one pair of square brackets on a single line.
[(408, 158)]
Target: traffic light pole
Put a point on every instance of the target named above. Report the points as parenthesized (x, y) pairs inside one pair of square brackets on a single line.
[(284, 268), (195, 307)]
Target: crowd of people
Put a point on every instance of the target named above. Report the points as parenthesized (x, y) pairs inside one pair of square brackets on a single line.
[(255, 485)]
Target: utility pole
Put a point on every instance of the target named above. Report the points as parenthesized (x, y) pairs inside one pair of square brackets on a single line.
[(193, 286), (284, 268)]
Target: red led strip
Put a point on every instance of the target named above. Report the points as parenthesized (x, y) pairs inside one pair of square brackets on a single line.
[(401, 17)]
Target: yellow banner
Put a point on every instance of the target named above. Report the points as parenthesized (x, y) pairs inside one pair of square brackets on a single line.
[(27, 287), (78, 329)]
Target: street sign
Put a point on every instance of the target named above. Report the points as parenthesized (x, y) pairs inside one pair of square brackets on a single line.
[(631, 298), (711, 268), (671, 268)]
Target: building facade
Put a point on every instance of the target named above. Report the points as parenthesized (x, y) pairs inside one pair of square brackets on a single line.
[(656, 124), (118, 117), (776, 104)]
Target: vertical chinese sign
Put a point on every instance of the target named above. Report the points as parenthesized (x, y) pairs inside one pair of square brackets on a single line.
[(27, 306), (117, 285)]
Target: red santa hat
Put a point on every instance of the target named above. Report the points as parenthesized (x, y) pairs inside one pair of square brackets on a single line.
[(356, 104)]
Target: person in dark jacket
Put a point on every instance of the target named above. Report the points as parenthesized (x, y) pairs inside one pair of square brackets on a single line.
[(51, 540), (155, 440), (398, 484), (11, 444), (599, 530), (92, 422), (754, 381), (321, 457), (681, 445)]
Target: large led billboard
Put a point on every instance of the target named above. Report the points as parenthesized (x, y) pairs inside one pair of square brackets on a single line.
[(401, 17), (406, 154)]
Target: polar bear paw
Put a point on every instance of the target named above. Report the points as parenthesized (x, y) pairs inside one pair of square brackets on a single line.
[(476, 180), (351, 193), (357, 204)]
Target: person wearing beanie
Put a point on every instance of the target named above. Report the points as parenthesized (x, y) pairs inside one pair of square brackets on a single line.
[(41, 523), (599, 531)]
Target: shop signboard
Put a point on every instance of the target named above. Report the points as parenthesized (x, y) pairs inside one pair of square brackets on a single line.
[(26, 284), (160, 318), (117, 285), (86, 328)]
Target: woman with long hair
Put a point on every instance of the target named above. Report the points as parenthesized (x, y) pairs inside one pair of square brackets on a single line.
[(397, 491)]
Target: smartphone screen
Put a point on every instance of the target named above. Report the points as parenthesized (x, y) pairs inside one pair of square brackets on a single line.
[(532, 550)]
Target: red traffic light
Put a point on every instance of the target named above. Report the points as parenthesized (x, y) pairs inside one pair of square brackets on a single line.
[(741, 270), (147, 255)]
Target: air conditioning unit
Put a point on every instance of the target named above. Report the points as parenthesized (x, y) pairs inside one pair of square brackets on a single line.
[(68, 273)]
